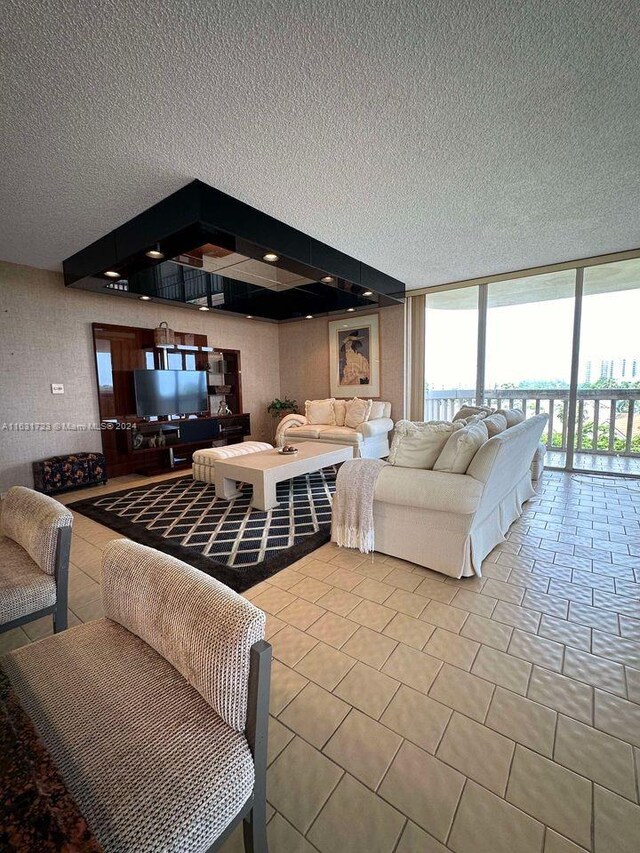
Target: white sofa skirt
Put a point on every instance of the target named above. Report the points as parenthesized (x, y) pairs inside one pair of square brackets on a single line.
[(447, 542)]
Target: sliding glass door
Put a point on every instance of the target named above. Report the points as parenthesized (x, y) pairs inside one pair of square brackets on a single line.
[(565, 343)]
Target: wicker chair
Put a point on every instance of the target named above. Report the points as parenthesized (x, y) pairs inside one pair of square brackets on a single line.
[(35, 540), (156, 716)]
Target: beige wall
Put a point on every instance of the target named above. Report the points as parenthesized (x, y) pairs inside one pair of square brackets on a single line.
[(304, 359), (45, 337)]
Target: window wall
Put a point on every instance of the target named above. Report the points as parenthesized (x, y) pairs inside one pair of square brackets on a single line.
[(564, 343)]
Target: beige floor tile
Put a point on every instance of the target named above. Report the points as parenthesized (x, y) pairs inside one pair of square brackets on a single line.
[(502, 669), (538, 650), (412, 667), (373, 590), (348, 558), (369, 646), (452, 648), (301, 613), (424, 789), (290, 645), (487, 824), (504, 591), (552, 794), (376, 570), (301, 803), (436, 590), (561, 693), (616, 823), (286, 578), (478, 752), (311, 589), (89, 612), (499, 571), (283, 838), (402, 579), (285, 684), (594, 617), (405, 602), (316, 569), (463, 692), (416, 840), (487, 631), (554, 843), (343, 579), (279, 737), (473, 602), (444, 616), (367, 689), (325, 665), (363, 747), (633, 684), (372, 615), (417, 718), (617, 717), (596, 755), (314, 714), (333, 629), (338, 601), (595, 670), (272, 626), (569, 633), (517, 617), (616, 648), (408, 630), (355, 819), (13, 639), (273, 599), (522, 720)]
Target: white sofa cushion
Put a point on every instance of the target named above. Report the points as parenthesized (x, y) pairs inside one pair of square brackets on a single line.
[(307, 431), (468, 411), (512, 416), (418, 444), (345, 435), (320, 411), (461, 447), (340, 409), (495, 423), (377, 410), (358, 412), (435, 490)]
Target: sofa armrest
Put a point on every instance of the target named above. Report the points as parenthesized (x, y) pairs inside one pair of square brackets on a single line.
[(287, 421), (378, 426)]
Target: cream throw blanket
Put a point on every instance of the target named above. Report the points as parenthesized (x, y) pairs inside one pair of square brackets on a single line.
[(352, 513)]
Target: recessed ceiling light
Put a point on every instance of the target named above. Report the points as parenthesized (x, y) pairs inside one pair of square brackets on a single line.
[(327, 279), (156, 254), (203, 308), (368, 293), (112, 274), (309, 317), (249, 316), (144, 298), (351, 309), (271, 257)]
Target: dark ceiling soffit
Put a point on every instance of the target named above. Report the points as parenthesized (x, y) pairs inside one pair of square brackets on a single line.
[(198, 207)]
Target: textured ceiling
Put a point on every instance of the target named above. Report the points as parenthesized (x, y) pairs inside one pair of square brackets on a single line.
[(434, 140)]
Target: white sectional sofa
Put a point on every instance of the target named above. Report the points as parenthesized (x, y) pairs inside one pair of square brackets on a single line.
[(450, 522), (370, 439)]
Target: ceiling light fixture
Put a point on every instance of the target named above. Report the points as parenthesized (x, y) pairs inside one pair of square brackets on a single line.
[(203, 308), (271, 257), (368, 293), (156, 254), (144, 298), (327, 279), (112, 274)]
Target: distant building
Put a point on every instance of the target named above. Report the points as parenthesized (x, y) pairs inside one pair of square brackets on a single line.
[(614, 368)]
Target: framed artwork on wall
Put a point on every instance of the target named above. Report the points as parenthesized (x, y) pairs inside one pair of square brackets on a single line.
[(354, 357)]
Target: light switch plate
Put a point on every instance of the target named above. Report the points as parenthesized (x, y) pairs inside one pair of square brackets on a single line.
[(57, 389)]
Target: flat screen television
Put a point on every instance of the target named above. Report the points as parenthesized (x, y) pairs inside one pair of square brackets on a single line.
[(170, 392)]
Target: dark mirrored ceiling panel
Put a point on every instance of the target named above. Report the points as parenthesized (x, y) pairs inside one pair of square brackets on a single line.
[(207, 251)]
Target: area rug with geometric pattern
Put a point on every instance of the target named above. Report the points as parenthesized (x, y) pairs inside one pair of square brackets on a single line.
[(228, 540)]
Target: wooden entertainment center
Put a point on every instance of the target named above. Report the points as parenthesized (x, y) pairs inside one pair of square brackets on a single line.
[(132, 444)]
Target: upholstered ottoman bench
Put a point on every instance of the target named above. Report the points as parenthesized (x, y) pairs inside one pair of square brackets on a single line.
[(63, 473), (204, 460)]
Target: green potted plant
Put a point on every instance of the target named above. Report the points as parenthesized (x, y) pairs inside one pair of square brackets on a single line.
[(279, 408)]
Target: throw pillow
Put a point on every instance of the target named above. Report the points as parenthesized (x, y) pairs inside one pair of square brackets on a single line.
[(468, 411), (320, 411), (512, 416), (461, 447), (340, 409), (418, 445), (358, 412), (495, 423), (377, 410)]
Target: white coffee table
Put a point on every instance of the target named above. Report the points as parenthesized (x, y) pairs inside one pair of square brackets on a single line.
[(266, 469)]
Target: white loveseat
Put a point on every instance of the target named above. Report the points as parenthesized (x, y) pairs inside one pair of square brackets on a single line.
[(450, 522), (369, 440)]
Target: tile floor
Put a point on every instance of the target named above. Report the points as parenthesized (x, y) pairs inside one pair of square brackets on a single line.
[(417, 713)]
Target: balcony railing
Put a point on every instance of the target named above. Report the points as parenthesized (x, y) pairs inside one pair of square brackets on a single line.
[(607, 421)]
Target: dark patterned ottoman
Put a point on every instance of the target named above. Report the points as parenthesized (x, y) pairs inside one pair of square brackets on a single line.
[(63, 473)]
